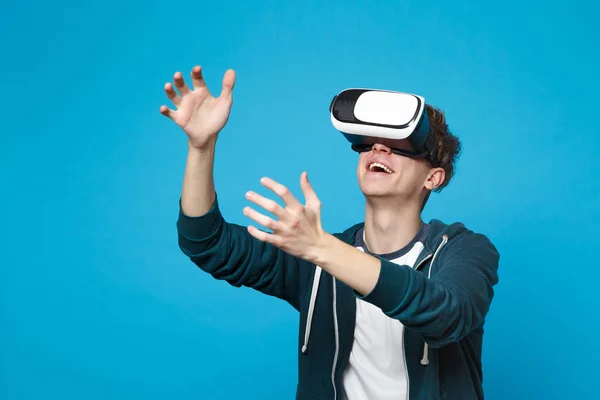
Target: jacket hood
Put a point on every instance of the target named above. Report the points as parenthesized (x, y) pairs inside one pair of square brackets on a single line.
[(437, 230)]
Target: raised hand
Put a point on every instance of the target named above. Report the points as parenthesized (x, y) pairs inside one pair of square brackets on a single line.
[(298, 230), (198, 113)]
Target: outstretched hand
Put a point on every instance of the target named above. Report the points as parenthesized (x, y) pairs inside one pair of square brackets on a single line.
[(298, 229), (198, 112)]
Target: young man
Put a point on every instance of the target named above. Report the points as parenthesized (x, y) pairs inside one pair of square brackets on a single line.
[(392, 308)]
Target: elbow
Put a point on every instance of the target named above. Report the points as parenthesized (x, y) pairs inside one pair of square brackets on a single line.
[(198, 248), (453, 325), (447, 328)]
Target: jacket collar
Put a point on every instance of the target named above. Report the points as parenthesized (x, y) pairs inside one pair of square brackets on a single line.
[(437, 230)]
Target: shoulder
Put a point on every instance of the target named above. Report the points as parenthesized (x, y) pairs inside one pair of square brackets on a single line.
[(461, 240), (348, 234)]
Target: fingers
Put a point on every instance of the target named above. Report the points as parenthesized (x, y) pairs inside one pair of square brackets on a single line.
[(197, 83), (262, 219), (172, 94), (197, 77), (282, 192), (228, 83), (268, 204), (312, 200), (167, 112), (180, 84), (262, 236)]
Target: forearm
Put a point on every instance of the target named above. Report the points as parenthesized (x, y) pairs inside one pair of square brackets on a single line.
[(355, 268), (198, 192), (225, 250), (397, 290), (444, 308), (228, 252)]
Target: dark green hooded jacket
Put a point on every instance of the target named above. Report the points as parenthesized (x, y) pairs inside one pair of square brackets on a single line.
[(442, 302)]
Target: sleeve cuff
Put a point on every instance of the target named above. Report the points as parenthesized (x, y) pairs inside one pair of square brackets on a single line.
[(390, 288), (201, 227)]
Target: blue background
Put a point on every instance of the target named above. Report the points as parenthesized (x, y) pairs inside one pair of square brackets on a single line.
[(97, 301)]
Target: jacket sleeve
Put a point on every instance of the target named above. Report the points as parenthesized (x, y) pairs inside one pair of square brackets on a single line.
[(228, 252), (450, 305)]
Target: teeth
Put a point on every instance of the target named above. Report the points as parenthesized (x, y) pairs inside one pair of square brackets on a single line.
[(378, 165)]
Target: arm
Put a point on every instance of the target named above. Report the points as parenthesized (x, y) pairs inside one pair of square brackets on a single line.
[(443, 309), (227, 251), (224, 250)]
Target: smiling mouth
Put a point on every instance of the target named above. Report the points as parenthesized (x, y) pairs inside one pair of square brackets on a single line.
[(378, 167)]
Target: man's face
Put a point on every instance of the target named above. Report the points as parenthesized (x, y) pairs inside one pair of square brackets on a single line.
[(382, 173)]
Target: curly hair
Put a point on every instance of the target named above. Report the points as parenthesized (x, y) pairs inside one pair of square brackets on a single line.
[(448, 147)]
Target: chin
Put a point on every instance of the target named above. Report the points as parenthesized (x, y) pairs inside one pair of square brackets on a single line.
[(375, 189)]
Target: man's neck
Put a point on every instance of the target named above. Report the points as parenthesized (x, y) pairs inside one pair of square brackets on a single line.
[(389, 226)]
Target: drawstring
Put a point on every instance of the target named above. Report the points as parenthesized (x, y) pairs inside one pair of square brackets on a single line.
[(311, 307), (313, 299), (425, 360)]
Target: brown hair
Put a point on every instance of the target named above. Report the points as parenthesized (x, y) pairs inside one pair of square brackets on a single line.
[(448, 147)]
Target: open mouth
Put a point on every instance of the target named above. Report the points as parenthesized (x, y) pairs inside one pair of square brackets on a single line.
[(378, 167)]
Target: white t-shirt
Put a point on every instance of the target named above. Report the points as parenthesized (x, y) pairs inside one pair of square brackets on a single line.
[(377, 368)]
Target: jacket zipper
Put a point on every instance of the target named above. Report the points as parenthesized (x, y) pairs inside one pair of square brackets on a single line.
[(427, 257), (337, 345), (405, 365)]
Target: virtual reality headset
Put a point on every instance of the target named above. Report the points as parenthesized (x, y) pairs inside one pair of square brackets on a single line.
[(397, 119)]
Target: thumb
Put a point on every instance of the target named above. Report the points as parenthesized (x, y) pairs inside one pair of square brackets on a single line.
[(228, 83), (309, 193)]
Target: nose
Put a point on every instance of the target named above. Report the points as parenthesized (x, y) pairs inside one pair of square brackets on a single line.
[(381, 148)]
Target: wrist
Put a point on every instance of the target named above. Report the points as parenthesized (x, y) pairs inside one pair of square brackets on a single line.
[(205, 148), (323, 249), (345, 262)]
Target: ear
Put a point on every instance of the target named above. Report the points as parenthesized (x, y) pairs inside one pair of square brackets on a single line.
[(435, 178)]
